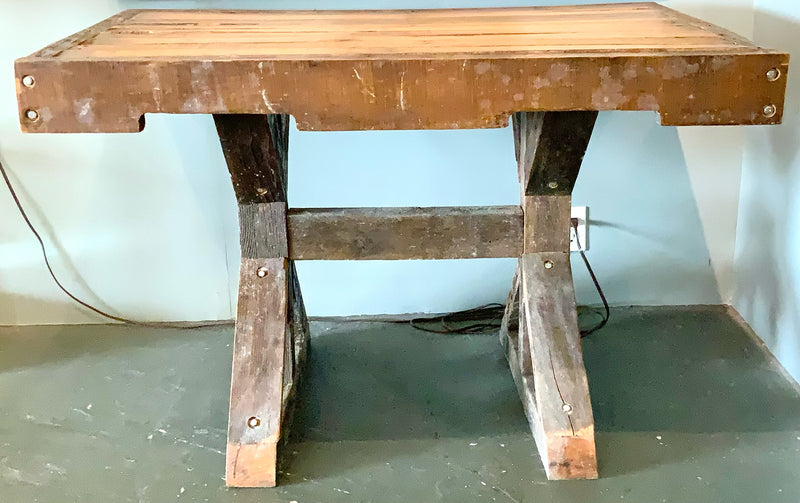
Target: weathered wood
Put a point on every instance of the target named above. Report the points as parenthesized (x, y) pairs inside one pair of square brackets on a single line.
[(262, 230), (551, 149), (546, 223), (509, 326), (544, 353), (271, 328), (254, 419), (435, 69), (405, 233), (256, 151), (296, 347), (550, 374)]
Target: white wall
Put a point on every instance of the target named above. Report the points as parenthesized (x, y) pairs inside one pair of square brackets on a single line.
[(767, 244), (145, 224)]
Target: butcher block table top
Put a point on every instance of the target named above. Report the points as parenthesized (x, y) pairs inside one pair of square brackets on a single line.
[(399, 69)]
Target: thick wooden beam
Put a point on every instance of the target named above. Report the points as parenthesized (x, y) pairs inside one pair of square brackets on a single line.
[(551, 366), (254, 420), (405, 233), (540, 327), (551, 147), (271, 328)]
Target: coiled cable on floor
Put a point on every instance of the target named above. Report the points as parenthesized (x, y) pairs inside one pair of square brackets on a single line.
[(487, 318)]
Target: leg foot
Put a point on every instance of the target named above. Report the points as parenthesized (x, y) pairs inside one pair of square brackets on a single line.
[(547, 365)]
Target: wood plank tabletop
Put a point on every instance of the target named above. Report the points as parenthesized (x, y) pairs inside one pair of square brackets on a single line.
[(399, 69)]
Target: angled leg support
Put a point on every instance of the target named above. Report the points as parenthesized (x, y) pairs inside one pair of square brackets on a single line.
[(271, 328), (540, 326)]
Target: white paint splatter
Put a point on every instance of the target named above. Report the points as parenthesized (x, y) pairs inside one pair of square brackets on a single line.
[(647, 102), (365, 88), (83, 109), (609, 95), (155, 83), (482, 67), (677, 68), (402, 96), (266, 101), (558, 71), (84, 413)]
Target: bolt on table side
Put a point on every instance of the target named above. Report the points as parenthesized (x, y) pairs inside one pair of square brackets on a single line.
[(551, 69)]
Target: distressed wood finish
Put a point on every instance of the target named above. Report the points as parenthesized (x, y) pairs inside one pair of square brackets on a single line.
[(435, 69), (405, 233), (271, 328), (551, 377), (540, 329), (551, 149), (254, 420)]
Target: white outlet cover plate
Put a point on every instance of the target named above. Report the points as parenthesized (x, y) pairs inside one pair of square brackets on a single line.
[(582, 214)]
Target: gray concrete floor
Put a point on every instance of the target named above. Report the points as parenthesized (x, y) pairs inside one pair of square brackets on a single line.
[(688, 408)]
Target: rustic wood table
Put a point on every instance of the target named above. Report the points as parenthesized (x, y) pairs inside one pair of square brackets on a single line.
[(550, 69)]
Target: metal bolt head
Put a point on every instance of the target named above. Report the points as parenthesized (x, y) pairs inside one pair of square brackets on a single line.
[(769, 110), (553, 185), (773, 74), (567, 408), (262, 272), (253, 422), (32, 115), (28, 81), (548, 264)]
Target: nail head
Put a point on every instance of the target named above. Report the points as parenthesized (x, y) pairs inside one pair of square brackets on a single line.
[(32, 115), (773, 74), (262, 272), (253, 422), (553, 185), (28, 81), (567, 408), (548, 264), (769, 110)]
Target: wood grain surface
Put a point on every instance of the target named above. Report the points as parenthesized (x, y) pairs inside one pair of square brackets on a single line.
[(405, 233), (271, 336), (411, 69), (556, 391)]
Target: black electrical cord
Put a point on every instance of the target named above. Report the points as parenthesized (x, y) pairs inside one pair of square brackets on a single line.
[(605, 318), (68, 293), (488, 317), (484, 318)]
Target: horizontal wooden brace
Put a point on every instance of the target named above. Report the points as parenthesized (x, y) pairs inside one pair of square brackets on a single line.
[(405, 233)]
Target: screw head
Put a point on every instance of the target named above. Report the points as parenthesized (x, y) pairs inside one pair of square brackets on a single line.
[(773, 74), (28, 81), (567, 408), (253, 422), (769, 110), (548, 264), (553, 185), (32, 115), (262, 272)]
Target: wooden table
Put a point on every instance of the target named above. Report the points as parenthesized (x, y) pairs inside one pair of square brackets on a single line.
[(551, 69)]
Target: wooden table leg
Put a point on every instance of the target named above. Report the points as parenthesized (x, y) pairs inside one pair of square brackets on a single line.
[(540, 326), (271, 328)]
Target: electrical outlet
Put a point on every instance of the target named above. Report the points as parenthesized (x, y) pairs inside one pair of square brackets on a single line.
[(582, 214)]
